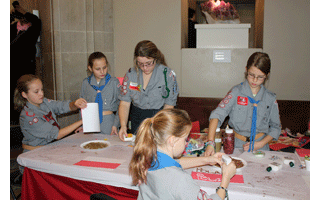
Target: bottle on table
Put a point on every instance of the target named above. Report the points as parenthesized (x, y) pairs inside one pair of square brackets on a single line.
[(218, 140), (229, 141)]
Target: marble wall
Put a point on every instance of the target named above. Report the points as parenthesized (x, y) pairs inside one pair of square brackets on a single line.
[(72, 30)]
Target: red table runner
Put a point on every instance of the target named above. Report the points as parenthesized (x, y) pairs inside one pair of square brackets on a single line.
[(40, 185)]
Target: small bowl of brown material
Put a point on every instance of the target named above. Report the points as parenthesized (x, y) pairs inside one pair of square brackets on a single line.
[(95, 145)]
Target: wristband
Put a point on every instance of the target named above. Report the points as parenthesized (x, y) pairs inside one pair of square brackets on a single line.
[(226, 192), (211, 143)]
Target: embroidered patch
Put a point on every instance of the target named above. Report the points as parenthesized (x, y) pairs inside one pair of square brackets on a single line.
[(134, 86), (27, 113), (242, 101), (221, 105), (226, 101), (30, 123), (229, 96), (35, 120)]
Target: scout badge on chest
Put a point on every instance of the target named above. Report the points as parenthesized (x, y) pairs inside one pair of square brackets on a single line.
[(135, 86), (242, 101)]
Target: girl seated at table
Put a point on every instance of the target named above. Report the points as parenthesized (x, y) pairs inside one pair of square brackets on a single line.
[(103, 89), (154, 167), (253, 110), (38, 115)]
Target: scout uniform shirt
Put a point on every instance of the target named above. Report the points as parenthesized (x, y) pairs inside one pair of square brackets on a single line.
[(237, 105), (39, 125), (167, 180), (152, 96), (109, 100)]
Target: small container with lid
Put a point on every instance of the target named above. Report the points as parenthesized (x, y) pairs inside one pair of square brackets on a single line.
[(229, 141), (218, 140), (274, 166)]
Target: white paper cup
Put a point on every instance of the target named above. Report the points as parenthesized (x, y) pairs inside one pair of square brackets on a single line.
[(307, 165)]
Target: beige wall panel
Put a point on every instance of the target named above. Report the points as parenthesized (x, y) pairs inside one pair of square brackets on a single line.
[(73, 42), (286, 40), (72, 15)]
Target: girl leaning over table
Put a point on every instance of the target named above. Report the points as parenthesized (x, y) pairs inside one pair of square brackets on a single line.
[(150, 86), (38, 121), (103, 89), (155, 166), (252, 109)]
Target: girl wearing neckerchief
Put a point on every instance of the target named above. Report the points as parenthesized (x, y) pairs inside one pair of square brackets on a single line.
[(155, 166), (103, 89), (253, 110)]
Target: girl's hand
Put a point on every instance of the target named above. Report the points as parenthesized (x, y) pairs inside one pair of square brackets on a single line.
[(229, 170), (209, 151), (80, 129), (122, 133), (80, 103), (114, 130), (257, 145), (216, 158)]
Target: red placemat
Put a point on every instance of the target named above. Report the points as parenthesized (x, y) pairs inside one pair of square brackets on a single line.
[(238, 178), (87, 163)]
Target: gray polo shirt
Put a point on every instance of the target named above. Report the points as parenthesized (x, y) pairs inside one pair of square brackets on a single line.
[(240, 110), (39, 125), (152, 96)]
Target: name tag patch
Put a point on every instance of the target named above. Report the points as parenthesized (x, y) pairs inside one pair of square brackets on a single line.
[(242, 101), (134, 86)]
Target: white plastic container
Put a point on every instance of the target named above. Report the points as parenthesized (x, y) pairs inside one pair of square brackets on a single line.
[(289, 161), (274, 166)]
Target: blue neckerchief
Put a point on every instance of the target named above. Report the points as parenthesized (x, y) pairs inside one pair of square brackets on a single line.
[(163, 160), (253, 126), (99, 97)]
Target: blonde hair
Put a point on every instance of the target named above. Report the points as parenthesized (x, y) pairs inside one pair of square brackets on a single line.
[(22, 86), (154, 132)]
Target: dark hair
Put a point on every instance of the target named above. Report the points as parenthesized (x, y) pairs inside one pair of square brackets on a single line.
[(191, 13), (261, 61), (155, 132), (94, 56), (22, 86)]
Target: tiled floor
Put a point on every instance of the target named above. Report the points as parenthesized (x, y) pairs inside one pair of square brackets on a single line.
[(14, 167)]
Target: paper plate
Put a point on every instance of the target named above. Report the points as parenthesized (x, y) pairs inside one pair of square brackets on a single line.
[(238, 169), (95, 141), (131, 139)]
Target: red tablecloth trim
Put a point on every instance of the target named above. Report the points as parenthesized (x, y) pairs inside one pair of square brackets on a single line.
[(39, 185)]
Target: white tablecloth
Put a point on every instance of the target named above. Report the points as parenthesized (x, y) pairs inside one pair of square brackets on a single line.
[(59, 158)]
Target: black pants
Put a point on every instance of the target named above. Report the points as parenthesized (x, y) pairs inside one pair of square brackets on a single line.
[(137, 115)]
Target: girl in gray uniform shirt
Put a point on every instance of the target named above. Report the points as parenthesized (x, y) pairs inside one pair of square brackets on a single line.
[(38, 115), (103, 89), (150, 86), (253, 110), (153, 166)]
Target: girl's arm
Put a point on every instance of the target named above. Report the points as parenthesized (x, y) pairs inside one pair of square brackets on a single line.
[(69, 129), (123, 117), (190, 162), (211, 136), (79, 103), (259, 144), (166, 106)]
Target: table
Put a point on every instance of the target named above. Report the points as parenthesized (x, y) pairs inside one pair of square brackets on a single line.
[(50, 173), (287, 183)]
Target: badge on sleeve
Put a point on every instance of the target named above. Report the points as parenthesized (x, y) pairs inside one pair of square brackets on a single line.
[(242, 101)]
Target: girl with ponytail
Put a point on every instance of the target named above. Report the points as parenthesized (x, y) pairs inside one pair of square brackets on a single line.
[(155, 166)]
